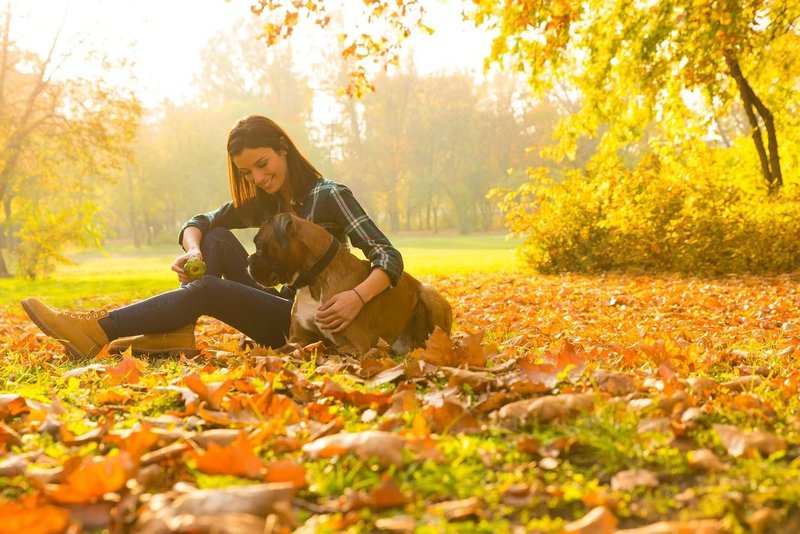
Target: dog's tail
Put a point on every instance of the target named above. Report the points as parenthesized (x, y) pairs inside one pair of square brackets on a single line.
[(438, 311)]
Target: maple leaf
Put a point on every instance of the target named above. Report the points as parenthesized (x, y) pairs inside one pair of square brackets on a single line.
[(128, 371), (94, 478), (212, 392), (236, 459)]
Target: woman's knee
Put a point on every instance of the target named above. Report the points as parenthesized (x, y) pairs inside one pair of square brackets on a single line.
[(218, 235)]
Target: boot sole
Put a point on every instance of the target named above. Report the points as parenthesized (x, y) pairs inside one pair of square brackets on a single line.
[(72, 349), (176, 351)]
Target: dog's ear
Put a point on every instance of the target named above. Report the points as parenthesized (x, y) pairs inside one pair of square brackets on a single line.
[(283, 227)]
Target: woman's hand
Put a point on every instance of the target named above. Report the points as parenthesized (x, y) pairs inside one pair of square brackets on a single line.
[(339, 311), (181, 260)]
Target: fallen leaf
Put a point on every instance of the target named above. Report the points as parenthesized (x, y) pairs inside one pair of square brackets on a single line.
[(743, 383), (548, 408), (631, 479), (385, 447), (697, 526), (30, 517), (212, 392), (740, 442), (614, 383), (259, 500), (600, 520), (95, 477), (460, 509), (127, 371), (706, 460), (236, 459), (286, 471)]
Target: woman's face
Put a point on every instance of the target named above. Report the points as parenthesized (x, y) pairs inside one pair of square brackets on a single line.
[(263, 167)]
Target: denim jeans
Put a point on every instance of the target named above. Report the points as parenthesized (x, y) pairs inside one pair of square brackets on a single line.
[(226, 292)]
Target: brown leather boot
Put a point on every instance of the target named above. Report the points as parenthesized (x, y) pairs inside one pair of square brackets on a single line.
[(80, 333), (180, 341)]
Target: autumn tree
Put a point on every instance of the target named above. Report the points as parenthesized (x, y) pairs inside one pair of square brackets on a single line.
[(637, 62), (61, 136)]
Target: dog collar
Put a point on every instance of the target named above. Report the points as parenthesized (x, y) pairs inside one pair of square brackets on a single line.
[(307, 277)]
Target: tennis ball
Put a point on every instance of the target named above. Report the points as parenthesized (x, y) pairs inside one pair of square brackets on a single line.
[(194, 268)]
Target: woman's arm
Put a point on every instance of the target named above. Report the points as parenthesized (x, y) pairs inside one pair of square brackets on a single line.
[(191, 238), (339, 311)]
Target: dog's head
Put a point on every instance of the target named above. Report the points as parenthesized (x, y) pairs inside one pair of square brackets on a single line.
[(279, 256)]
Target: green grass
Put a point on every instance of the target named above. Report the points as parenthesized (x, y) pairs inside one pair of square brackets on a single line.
[(126, 274)]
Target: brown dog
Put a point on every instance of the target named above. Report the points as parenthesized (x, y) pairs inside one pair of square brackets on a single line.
[(291, 250)]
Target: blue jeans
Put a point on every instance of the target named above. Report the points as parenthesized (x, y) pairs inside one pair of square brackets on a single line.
[(226, 292)]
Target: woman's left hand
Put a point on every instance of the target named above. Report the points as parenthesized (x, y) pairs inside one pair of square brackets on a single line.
[(338, 312)]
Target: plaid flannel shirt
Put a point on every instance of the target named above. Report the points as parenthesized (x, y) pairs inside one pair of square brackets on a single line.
[(330, 205)]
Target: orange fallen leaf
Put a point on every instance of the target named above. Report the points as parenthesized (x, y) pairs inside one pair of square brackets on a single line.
[(286, 471), (28, 516), (236, 459), (212, 392), (92, 479), (600, 520), (127, 371)]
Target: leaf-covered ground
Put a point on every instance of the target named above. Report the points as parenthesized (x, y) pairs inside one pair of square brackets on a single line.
[(560, 404)]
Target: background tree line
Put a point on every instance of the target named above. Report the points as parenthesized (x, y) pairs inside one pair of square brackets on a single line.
[(657, 136)]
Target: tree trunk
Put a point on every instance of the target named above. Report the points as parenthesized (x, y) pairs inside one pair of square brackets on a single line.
[(770, 163), (5, 237)]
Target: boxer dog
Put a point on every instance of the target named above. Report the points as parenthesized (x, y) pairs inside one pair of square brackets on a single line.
[(299, 253)]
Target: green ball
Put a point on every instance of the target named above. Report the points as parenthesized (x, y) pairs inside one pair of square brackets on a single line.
[(194, 268)]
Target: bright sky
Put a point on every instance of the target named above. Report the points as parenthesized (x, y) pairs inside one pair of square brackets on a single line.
[(164, 37)]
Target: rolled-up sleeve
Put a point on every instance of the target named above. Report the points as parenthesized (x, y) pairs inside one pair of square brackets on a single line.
[(365, 234)]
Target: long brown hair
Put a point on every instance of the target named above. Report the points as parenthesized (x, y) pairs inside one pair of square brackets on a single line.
[(257, 131)]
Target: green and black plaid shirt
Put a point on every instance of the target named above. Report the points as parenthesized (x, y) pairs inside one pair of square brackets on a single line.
[(330, 205)]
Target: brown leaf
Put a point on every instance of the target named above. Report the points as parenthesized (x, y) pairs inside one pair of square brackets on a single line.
[(696, 526), (11, 466), (398, 523), (451, 417), (216, 524), (739, 442), (385, 447), (546, 409), (614, 383), (461, 509), (631, 479), (258, 500), (706, 460), (743, 383), (600, 520)]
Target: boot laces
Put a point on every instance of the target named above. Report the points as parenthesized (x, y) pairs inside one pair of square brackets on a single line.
[(85, 315)]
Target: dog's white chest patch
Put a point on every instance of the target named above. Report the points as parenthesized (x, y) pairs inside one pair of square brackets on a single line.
[(305, 311)]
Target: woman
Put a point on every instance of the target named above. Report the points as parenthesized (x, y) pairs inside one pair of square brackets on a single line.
[(267, 175)]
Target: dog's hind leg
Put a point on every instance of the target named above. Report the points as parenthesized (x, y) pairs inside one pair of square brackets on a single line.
[(438, 310)]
